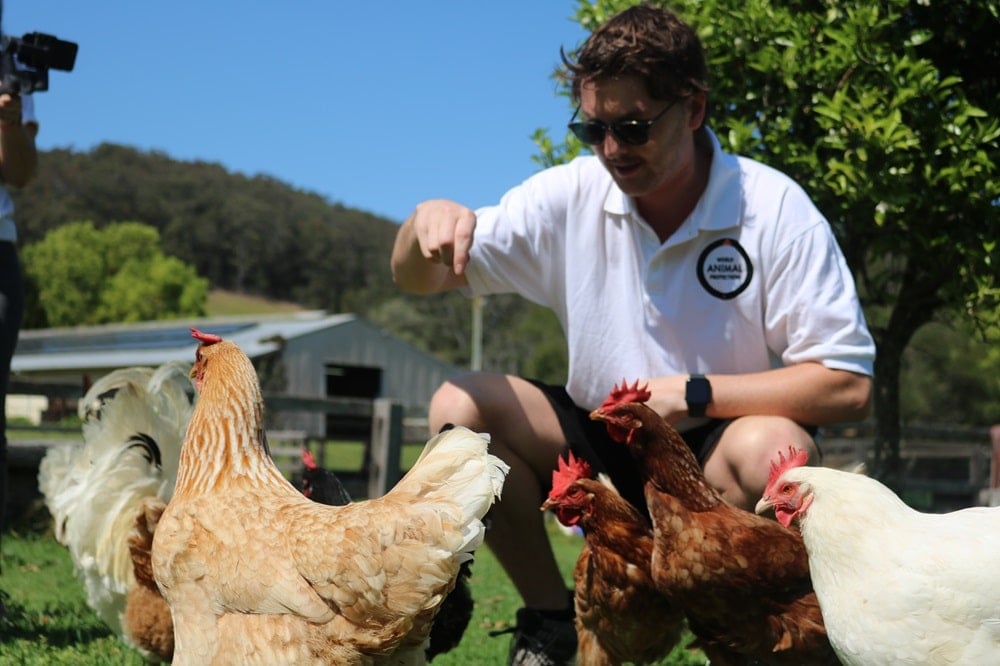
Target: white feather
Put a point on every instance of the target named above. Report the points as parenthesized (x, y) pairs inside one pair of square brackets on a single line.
[(897, 586), (93, 490), (456, 468)]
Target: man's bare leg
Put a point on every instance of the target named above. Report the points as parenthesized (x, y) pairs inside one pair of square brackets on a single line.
[(524, 433)]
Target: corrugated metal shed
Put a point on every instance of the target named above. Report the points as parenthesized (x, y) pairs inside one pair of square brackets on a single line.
[(301, 351)]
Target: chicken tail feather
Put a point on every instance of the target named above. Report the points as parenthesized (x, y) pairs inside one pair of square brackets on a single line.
[(455, 467)]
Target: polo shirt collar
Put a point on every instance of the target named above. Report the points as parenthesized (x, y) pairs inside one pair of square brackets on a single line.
[(719, 206)]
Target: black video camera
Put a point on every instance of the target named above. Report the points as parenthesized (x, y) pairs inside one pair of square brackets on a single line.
[(25, 62)]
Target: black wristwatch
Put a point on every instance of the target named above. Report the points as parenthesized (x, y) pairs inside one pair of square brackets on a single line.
[(698, 393)]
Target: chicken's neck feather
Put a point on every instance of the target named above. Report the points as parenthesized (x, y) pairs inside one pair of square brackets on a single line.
[(613, 516), (225, 442), (850, 505), (670, 465)]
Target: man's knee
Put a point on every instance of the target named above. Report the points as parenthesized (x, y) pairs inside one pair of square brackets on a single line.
[(754, 439), (451, 404), (518, 416), (478, 400), (742, 460)]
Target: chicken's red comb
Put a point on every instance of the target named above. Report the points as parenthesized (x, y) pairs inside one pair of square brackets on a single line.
[(796, 458), (205, 338), (566, 472), (308, 461), (625, 393)]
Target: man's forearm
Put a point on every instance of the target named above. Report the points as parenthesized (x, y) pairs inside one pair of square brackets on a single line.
[(807, 393)]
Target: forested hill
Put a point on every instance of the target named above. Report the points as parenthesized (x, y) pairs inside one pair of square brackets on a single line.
[(259, 236), (247, 234)]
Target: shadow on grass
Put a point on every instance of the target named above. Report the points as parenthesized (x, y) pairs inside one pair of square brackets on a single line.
[(58, 627)]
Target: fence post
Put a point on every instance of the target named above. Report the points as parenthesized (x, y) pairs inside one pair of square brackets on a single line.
[(386, 446)]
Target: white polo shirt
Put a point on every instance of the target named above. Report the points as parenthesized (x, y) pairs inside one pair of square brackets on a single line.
[(752, 280)]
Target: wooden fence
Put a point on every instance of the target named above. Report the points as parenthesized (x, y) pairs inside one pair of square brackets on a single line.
[(382, 433), (382, 438), (944, 467)]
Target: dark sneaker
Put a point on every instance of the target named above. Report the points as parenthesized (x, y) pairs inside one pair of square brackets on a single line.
[(540, 641)]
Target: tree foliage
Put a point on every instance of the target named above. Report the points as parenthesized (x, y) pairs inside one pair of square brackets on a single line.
[(250, 235), (79, 274), (887, 113), (518, 337), (951, 375)]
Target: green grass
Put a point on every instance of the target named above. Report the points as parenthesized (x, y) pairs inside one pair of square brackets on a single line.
[(48, 621), (221, 303)]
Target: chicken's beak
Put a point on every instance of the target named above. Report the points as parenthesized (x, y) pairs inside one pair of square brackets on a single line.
[(763, 505)]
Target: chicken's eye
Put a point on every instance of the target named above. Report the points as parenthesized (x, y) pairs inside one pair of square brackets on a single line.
[(786, 489)]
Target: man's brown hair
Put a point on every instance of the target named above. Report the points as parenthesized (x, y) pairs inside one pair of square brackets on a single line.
[(646, 41)]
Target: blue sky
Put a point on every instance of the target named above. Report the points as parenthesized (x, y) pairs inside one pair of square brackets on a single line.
[(374, 105)]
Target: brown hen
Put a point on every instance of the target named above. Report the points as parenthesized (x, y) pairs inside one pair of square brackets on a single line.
[(146, 620), (742, 580), (255, 573), (620, 616)]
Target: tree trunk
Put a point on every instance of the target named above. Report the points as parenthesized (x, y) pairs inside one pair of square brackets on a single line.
[(919, 298), (886, 465)]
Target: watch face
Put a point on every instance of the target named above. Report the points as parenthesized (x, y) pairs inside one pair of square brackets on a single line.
[(698, 391)]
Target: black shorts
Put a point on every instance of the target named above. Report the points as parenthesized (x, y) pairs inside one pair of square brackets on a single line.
[(589, 440)]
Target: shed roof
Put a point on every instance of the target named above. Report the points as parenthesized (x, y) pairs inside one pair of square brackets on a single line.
[(96, 348)]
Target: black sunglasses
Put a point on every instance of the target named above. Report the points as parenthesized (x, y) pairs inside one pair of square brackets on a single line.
[(632, 132)]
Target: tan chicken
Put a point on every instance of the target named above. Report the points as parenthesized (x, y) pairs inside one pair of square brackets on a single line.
[(743, 580), (620, 616), (454, 614), (255, 573)]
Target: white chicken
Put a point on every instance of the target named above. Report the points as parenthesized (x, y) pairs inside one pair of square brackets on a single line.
[(133, 427), (896, 586)]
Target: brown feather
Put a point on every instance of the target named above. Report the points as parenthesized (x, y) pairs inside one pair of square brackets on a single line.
[(146, 621), (714, 557), (620, 616)]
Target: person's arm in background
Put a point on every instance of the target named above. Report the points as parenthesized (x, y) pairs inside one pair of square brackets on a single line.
[(18, 155)]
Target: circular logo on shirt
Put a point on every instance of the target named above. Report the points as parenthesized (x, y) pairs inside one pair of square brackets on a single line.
[(724, 269)]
